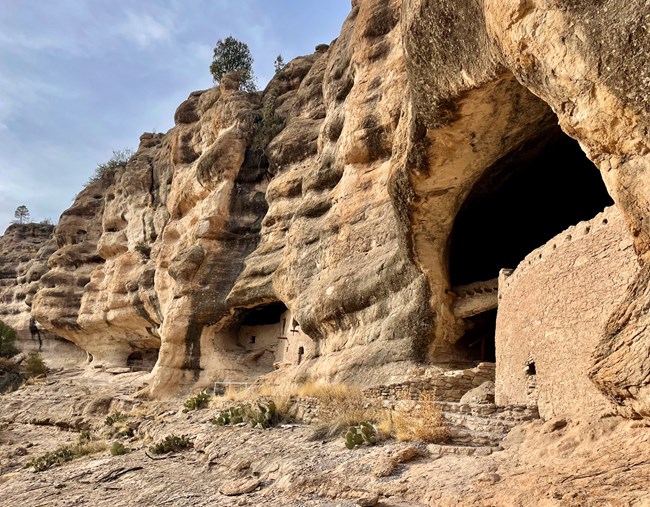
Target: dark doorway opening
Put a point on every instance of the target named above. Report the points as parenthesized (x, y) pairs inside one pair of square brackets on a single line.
[(521, 202), (477, 344)]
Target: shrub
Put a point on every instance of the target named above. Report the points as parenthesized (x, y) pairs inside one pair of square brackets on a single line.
[(270, 123), (115, 417), (118, 161), (10, 376), (424, 423), (34, 366), (279, 64), (7, 339), (198, 401), (83, 447), (118, 449), (171, 443)]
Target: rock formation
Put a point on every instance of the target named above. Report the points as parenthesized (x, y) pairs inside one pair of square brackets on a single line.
[(24, 250), (339, 192)]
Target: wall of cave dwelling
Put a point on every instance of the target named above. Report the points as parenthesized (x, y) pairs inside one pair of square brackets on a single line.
[(534, 275), (553, 309), (273, 337)]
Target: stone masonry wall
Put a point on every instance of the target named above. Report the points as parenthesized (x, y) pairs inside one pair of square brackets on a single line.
[(449, 386), (552, 310)]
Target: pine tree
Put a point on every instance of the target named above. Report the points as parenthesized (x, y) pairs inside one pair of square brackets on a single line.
[(22, 214)]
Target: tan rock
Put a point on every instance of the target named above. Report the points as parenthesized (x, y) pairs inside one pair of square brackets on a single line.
[(239, 486)]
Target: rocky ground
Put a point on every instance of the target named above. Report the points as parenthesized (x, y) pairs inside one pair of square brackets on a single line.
[(557, 462)]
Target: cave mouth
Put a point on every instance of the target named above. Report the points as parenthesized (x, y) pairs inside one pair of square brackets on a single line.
[(142, 360), (264, 315), (521, 202), (517, 205)]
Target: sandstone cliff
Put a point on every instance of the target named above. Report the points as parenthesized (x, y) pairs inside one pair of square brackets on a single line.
[(24, 250), (346, 216)]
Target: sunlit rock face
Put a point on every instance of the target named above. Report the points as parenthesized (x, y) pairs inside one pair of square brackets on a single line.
[(24, 250), (345, 212)]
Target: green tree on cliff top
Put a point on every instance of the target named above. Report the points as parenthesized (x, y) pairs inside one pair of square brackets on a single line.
[(231, 55)]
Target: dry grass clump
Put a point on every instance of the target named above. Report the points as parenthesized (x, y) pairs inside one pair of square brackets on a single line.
[(424, 423), (342, 407)]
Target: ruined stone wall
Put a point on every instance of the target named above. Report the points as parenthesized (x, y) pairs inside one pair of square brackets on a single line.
[(552, 311), (447, 386)]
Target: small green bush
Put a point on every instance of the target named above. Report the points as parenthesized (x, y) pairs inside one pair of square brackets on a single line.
[(8, 336), (83, 447), (118, 449), (270, 123), (34, 366), (364, 432), (115, 417), (198, 401), (172, 443), (118, 161)]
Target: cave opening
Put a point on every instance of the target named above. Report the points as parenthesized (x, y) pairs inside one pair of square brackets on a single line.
[(142, 360), (516, 206), (264, 315)]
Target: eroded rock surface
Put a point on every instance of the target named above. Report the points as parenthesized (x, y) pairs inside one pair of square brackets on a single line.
[(344, 211), (24, 250)]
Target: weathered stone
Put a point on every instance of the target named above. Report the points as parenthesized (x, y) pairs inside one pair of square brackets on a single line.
[(239, 486)]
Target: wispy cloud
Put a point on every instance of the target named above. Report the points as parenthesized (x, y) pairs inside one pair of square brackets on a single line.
[(79, 79), (145, 30)]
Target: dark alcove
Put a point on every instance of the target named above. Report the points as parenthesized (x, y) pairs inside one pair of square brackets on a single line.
[(521, 202)]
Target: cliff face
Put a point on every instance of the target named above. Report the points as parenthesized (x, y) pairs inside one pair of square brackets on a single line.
[(24, 250), (346, 216)]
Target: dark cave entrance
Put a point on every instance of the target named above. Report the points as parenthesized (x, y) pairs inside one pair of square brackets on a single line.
[(142, 360), (264, 315), (517, 205)]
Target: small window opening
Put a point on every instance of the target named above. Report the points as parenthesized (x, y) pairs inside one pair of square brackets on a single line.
[(530, 369), (252, 339)]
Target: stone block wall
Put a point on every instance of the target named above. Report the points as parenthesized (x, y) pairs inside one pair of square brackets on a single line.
[(552, 310), (448, 386)]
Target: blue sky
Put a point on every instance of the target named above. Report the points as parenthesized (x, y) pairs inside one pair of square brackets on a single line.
[(80, 78)]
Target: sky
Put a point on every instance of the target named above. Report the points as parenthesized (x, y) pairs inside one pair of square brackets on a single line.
[(81, 78)]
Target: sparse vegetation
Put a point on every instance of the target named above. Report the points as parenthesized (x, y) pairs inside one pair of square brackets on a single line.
[(198, 401), (423, 423), (279, 64), (172, 443), (118, 161), (118, 449), (270, 123), (34, 366), (84, 447), (115, 417), (7, 339), (21, 214), (363, 433)]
